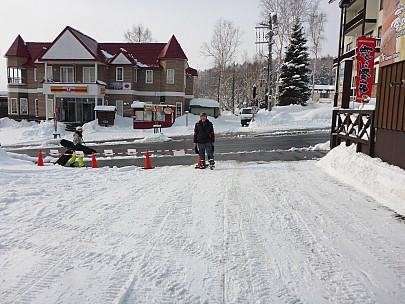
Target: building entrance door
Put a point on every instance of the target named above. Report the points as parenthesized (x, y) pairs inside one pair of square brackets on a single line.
[(69, 109), (88, 109)]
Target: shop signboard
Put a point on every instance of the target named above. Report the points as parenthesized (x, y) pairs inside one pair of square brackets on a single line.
[(365, 68), (393, 32)]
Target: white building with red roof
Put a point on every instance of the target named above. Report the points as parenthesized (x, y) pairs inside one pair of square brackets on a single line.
[(68, 77)]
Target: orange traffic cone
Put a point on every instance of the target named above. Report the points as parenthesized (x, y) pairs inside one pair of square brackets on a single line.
[(148, 165), (198, 163), (93, 161), (40, 160)]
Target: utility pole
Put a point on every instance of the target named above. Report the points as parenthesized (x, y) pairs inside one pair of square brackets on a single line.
[(267, 38), (233, 90)]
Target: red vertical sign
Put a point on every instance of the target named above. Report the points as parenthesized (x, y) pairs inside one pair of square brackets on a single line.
[(365, 68)]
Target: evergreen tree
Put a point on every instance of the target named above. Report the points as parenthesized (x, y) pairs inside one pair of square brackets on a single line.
[(295, 73)]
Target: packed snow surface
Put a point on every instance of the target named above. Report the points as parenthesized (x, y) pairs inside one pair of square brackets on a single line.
[(327, 231)]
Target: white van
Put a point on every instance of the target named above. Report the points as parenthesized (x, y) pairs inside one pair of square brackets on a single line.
[(246, 116)]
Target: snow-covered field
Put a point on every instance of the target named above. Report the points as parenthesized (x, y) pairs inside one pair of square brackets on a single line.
[(276, 232)]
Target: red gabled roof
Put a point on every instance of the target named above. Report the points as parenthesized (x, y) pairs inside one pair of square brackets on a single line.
[(191, 71), (18, 48), (172, 50), (36, 49), (89, 43), (143, 53)]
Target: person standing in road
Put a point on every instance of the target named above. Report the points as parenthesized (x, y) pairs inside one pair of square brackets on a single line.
[(77, 140), (204, 139)]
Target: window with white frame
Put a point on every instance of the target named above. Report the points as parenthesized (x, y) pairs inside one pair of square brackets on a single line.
[(13, 106), (170, 76), (14, 75), (51, 108), (138, 115), (179, 109), (149, 76), (119, 74), (160, 115), (35, 74), (67, 74), (135, 75), (89, 74), (143, 115), (147, 115), (36, 108), (23, 106), (49, 72)]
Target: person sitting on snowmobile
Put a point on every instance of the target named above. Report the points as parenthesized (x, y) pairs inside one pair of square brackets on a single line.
[(204, 139), (77, 140)]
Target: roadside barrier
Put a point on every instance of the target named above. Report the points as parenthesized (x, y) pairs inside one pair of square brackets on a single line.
[(198, 163), (111, 153), (40, 160), (129, 152), (148, 164), (93, 161)]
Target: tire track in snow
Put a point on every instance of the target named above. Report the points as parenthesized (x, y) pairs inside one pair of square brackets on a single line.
[(361, 230), (248, 273), (342, 285), (156, 271)]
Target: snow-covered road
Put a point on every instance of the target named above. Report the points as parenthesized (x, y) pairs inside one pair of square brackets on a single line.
[(243, 233)]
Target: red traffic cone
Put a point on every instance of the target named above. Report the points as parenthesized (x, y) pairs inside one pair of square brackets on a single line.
[(93, 161), (40, 160), (148, 165), (198, 163)]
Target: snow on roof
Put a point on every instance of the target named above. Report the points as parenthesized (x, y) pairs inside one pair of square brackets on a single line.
[(105, 108), (139, 104), (324, 87), (203, 102)]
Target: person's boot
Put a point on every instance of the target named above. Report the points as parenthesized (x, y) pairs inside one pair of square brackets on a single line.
[(202, 166)]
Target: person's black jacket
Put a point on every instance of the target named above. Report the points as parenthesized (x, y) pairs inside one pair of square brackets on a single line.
[(204, 132)]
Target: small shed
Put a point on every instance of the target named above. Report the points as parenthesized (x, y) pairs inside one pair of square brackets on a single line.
[(149, 115), (209, 106), (3, 104), (105, 115)]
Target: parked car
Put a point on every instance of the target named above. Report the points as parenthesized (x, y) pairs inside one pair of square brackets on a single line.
[(246, 116)]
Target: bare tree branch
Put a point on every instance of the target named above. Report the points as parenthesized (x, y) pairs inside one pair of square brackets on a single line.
[(138, 34)]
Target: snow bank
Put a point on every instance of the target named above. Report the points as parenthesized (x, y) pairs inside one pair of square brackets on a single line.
[(294, 117), (384, 182), (280, 118), (6, 161)]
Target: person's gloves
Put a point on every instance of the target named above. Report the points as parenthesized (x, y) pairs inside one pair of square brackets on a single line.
[(196, 150)]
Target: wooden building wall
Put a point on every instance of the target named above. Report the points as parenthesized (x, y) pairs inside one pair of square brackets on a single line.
[(390, 115)]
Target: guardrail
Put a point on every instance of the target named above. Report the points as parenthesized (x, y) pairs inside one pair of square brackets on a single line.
[(354, 127)]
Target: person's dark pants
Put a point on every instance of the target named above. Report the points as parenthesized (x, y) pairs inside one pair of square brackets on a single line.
[(206, 148)]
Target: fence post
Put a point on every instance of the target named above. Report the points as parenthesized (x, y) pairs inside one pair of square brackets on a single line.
[(333, 133)]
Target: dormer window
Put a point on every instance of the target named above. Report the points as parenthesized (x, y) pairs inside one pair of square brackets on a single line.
[(149, 76)]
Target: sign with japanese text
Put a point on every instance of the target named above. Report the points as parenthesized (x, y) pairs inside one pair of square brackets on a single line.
[(365, 68), (393, 32), (68, 89)]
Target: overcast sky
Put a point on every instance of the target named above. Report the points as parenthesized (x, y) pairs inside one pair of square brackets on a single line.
[(191, 21)]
